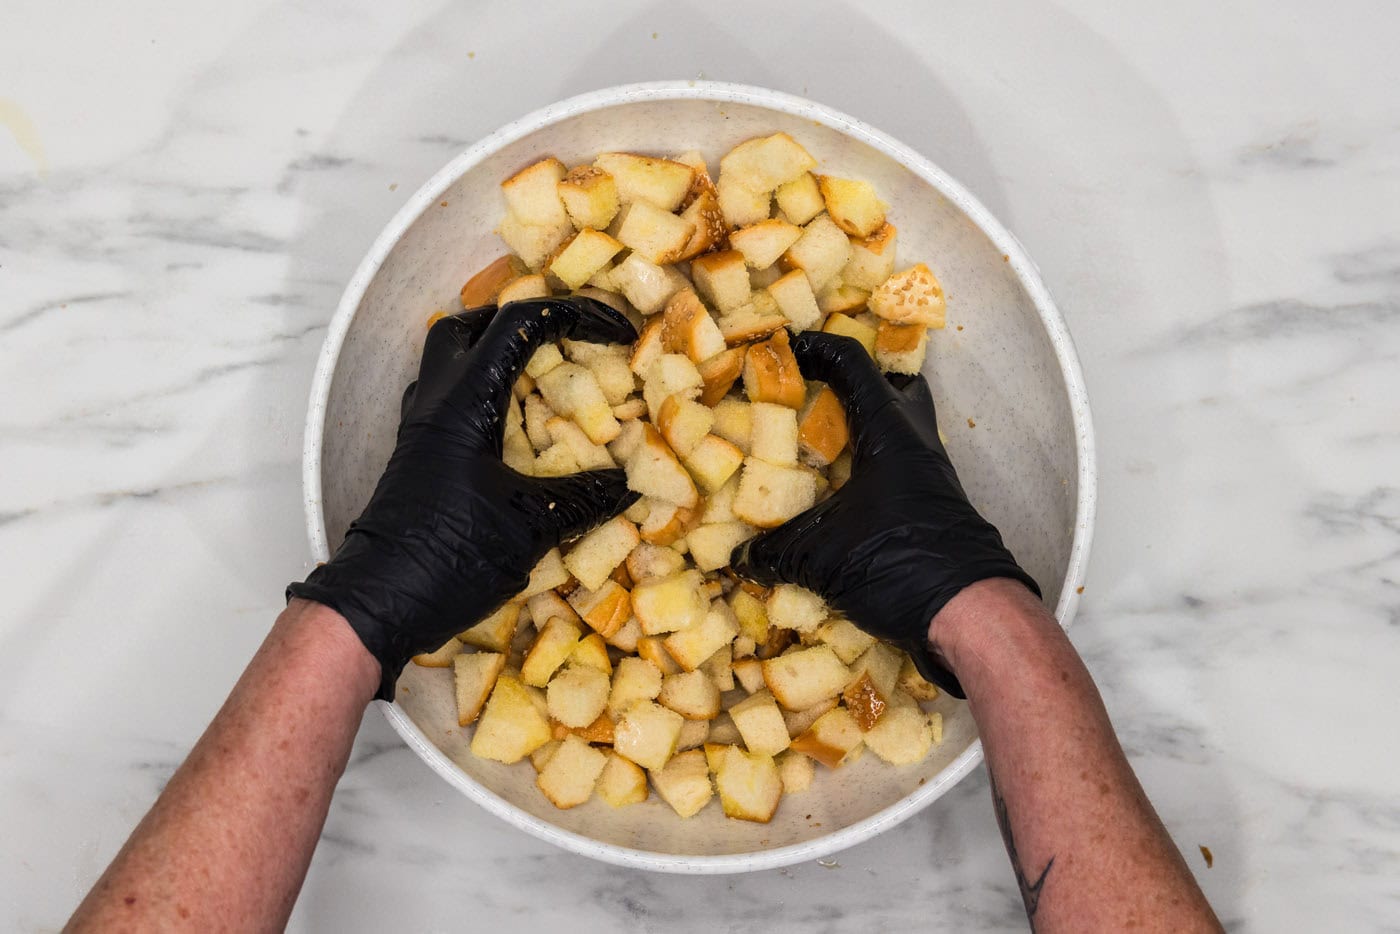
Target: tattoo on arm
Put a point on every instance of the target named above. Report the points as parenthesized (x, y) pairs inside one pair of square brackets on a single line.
[(1030, 891)]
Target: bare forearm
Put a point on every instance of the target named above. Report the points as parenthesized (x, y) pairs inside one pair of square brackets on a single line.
[(1087, 848), (228, 842)]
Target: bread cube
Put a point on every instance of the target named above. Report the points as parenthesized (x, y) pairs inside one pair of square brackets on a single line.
[(716, 753), (760, 723), (590, 197), (774, 433), (744, 324), (846, 639), (749, 673), (769, 495), (533, 243), (548, 574), (495, 632), (719, 506), (582, 451), (711, 545), (525, 287), (688, 328), (719, 668), (658, 183), (882, 664), (852, 204), (581, 258), (667, 523), (764, 163), (625, 639), (646, 285), (913, 296), (723, 730), (872, 259), (634, 679), (540, 757), (693, 645), (592, 652), (865, 702), (821, 252), (595, 555), (567, 779), (608, 607), (653, 470), (622, 782), (670, 374), (648, 561), (541, 362), (903, 736), (545, 606), (838, 296), (751, 613), (720, 372), (532, 193), (550, 650), (740, 205), (734, 422), (800, 200), (474, 676), (630, 410), (647, 734), (712, 462), (573, 392), (722, 278), (762, 243), (793, 294), (792, 607), (614, 377), (482, 288), (691, 694), (805, 677), (669, 603), (847, 326), (440, 657), (710, 227), (761, 279), (656, 235), (684, 783), (653, 649), (913, 683), (749, 785), (694, 734), (557, 460), (512, 726), (771, 373), (577, 695), (796, 771), (822, 431), (800, 721), (901, 348), (833, 740)]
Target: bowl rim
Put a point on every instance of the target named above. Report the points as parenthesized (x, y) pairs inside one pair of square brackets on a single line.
[(1026, 271)]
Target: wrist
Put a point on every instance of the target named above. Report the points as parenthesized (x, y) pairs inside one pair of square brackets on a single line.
[(327, 637), (971, 630)]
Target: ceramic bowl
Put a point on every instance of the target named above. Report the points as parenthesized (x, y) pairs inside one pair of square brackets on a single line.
[(1004, 364)]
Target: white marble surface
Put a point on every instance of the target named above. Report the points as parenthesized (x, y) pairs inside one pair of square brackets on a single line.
[(1212, 194)]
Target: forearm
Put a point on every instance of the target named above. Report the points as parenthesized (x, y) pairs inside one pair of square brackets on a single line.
[(1088, 850), (228, 842)]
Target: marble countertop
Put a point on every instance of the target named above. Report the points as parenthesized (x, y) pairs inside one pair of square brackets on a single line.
[(1212, 194)]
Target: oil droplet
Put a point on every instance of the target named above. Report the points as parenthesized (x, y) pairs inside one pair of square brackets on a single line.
[(26, 134)]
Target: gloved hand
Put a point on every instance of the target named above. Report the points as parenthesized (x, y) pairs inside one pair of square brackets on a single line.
[(451, 532), (899, 540)]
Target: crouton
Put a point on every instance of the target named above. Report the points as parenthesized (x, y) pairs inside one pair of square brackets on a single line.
[(800, 200), (474, 677), (769, 494), (822, 432), (684, 782), (771, 373), (654, 234), (722, 279), (659, 183), (872, 259), (901, 348), (852, 204), (913, 296), (762, 243), (821, 252)]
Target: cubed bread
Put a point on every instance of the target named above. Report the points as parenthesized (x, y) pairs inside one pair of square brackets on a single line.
[(800, 200), (646, 285), (719, 668), (749, 785), (474, 677), (770, 494), (568, 778), (647, 734), (722, 279), (902, 736), (495, 632), (901, 348), (712, 462), (533, 243), (577, 695), (822, 431), (852, 204), (590, 197), (653, 470), (821, 252), (882, 664), (670, 603), (694, 734), (774, 436), (660, 183), (794, 297), (872, 259), (622, 782), (719, 506), (656, 235), (723, 730), (800, 721), (441, 657), (749, 673), (792, 607), (688, 329), (846, 326), (805, 677), (764, 163), (913, 296), (532, 194), (683, 422), (846, 639), (545, 606), (482, 288), (691, 694), (741, 205), (606, 608), (832, 740), (711, 545), (711, 230), (752, 614), (667, 523), (625, 639), (692, 645), (838, 296), (796, 771), (634, 679), (523, 288), (913, 683), (670, 374), (592, 652), (595, 555), (720, 372), (573, 392), (550, 650), (512, 726), (589, 251), (653, 649), (771, 373), (734, 422), (582, 451), (762, 243), (684, 782), (760, 723), (745, 324), (648, 561)]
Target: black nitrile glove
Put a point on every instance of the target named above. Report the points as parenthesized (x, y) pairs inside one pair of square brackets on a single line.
[(899, 540), (451, 532)]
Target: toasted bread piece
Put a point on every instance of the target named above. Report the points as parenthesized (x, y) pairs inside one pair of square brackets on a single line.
[(711, 230), (584, 453), (771, 373), (545, 606), (653, 470), (794, 297), (630, 410), (581, 258), (653, 649), (833, 740), (805, 677), (523, 288), (796, 770), (800, 200), (595, 555), (865, 702), (548, 574), (792, 607), (613, 374), (745, 324), (800, 721), (852, 204), (660, 183), (901, 348), (646, 285), (622, 782), (734, 422), (573, 392), (625, 639), (669, 603), (684, 782), (691, 694), (694, 734), (764, 163), (749, 785), (577, 695), (722, 279), (760, 723), (712, 462), (741, 205), (474, 676), (606, 608), (512, 726), (592, 652), (846, 326), (769, 495), (846, 639), (550, 650), (532, 193), (902, 736), (720, 373), (482, 288), (749, 673), (822, 432), (649, 347), (822, 252), (693, 645), (441, 657), (688, 328), (913, 296), (723, 730), (647, 734), (752, 614), (683, 422), (667, 523), (838, 296), (495, 632), (633, 679), (654, 234), (541, 756), (881, 663), (872, 259), (670, 374), (719, 667), (762, 243), (719, 506), (711, 545), (590, 196), (541, 362), (774, 434), (568, 778), (648, 561), (913, 683), (533, 243)]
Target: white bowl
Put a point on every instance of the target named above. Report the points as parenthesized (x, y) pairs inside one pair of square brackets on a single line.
[(1011, 367)]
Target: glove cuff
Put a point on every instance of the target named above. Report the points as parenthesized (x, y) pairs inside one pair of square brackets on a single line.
[(930, 666)]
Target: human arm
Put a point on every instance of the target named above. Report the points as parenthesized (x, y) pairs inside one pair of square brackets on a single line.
[(228, 842), (899, 546)]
